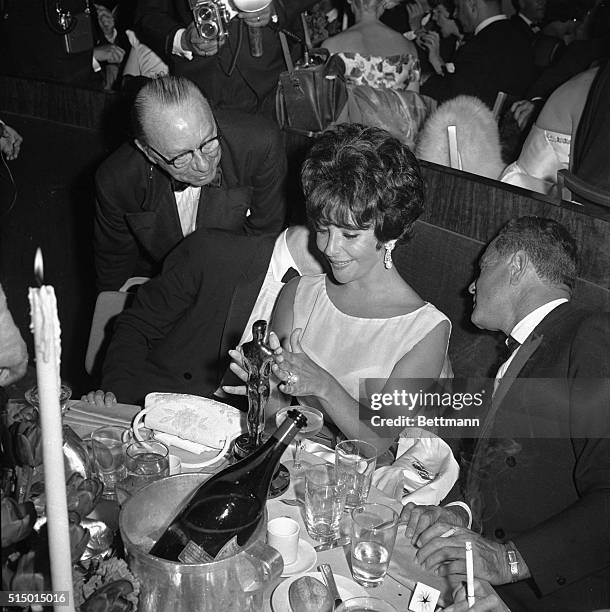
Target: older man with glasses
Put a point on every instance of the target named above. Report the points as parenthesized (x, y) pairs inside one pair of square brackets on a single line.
[(185, 169)]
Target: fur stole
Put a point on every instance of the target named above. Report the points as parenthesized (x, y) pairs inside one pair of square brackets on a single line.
[(477, 136)]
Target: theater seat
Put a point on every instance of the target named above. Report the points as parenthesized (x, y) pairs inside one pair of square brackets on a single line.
[(572, 188), (108, 305)]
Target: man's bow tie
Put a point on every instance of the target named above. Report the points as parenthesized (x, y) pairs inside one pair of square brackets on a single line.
[(289, 275), (180, 186)]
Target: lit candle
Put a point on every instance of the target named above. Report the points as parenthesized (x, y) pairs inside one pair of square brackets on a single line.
[(45, 326)]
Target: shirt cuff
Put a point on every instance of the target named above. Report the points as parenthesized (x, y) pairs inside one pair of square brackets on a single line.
[(450, 67), (95, 64), (465, 507), (177, 47)]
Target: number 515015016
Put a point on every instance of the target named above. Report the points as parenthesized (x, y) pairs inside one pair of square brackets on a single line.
[(25, 598)]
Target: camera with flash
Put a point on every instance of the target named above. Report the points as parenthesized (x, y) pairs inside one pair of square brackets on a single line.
[(211, 19)]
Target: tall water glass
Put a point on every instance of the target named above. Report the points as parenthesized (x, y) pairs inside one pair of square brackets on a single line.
[(324, 502), (109, 455), (374, 528), (355, 461)]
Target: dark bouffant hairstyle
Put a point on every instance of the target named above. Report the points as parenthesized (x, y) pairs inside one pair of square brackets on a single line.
[(548, 244), (360, 177)]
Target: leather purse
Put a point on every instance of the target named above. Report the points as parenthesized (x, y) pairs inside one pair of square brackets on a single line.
[(309, 97)]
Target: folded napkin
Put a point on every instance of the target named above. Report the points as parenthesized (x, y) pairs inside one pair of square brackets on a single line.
[(424, 470), (84, 417), (192, 419)]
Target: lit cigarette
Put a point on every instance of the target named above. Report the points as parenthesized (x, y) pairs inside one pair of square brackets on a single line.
[(469, 575)]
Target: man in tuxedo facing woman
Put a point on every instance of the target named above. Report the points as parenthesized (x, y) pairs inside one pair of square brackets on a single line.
[(186, 168), (539, 479)]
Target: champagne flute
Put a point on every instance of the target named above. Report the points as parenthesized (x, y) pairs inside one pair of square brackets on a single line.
[(315, 422)]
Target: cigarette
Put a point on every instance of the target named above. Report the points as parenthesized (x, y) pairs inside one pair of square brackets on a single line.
[(469, 575)]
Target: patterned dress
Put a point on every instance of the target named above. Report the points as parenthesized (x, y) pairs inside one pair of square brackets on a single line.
[(391, 72)]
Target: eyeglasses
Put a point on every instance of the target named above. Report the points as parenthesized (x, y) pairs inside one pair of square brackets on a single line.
[(206, 148)]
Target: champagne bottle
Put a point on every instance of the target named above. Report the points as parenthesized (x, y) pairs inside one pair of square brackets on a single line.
[(226, 509)]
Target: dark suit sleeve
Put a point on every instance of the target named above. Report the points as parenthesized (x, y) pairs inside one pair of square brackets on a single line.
[(158, 305), (268, 209), (465, 81), (576, 541), (156, 23), (114, 246)]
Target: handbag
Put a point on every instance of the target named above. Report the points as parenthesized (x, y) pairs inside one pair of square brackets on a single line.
[(80, 36), (310, 97), (192, 423)]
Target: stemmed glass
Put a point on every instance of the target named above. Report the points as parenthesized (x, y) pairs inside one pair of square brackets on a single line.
[(315, 422)]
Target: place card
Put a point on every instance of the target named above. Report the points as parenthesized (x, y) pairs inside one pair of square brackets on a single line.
[(424, 598)]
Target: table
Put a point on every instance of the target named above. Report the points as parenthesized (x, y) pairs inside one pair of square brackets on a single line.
[(404, 572)]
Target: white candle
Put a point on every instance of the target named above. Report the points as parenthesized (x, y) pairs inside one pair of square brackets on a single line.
[(45, 326)]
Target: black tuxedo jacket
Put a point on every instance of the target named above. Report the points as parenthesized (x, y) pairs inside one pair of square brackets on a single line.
[(136, 219), (251, 85), (498, 58), (523, 27), (543, 481), (175, 336)]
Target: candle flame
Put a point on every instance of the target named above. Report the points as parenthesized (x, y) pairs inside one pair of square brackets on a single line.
[(39, 267)]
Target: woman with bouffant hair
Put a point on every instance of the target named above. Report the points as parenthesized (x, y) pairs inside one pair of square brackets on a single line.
[(363, 192)]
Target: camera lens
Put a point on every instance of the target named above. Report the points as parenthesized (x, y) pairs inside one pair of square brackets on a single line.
[(209, 29), (206, 13)]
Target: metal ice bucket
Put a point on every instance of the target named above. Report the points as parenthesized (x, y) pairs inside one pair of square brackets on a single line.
[(235, 583)]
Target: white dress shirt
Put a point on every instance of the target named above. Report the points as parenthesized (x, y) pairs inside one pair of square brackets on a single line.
[(489, 21), (187, 203), (523, 329)]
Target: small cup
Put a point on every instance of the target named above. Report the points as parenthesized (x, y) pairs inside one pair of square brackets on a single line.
[(108, 452), (355, 461), (283, 534), (143, 432), (360, 604), (374, 528), (324, 502), (146, 462), (175, 465)]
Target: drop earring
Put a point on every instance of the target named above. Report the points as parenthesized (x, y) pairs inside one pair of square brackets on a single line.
[(387, 258)]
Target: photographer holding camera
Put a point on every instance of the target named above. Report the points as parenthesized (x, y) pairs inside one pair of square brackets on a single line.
[(215, 45)]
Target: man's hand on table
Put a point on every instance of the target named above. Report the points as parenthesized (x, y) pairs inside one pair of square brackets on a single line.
[(486, 599), (446, 555), (419, 518), (99, 398)]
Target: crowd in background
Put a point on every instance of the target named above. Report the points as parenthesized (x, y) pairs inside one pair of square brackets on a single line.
[(409, 65)]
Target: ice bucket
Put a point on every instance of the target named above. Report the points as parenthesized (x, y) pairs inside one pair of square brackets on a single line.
[(235, 583)]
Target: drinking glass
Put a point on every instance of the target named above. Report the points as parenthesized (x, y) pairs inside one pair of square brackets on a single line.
[(65, 393), (108, 452), (145, 461), (374, 528), (315, 422), (355, 461), (324, 501)]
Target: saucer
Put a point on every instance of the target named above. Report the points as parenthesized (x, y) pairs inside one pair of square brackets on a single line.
[(306, 559), (346, 586)]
